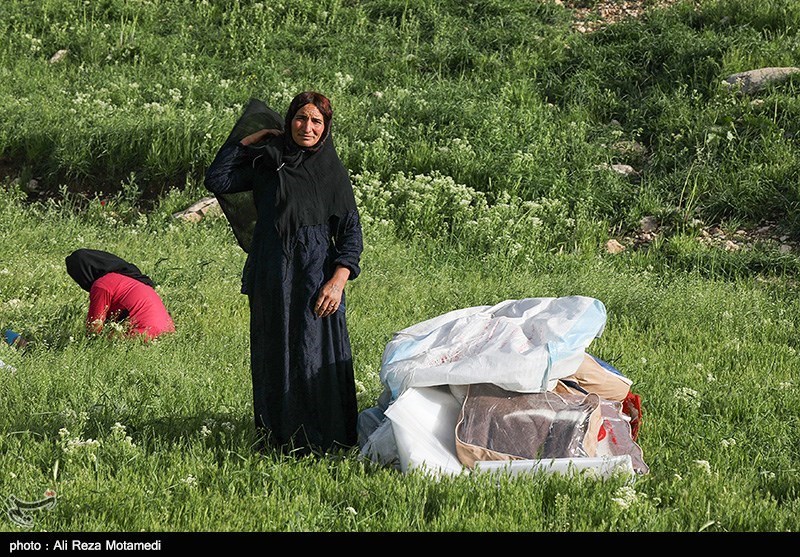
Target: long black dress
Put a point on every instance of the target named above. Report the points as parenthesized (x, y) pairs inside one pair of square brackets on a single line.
[(304, 396)]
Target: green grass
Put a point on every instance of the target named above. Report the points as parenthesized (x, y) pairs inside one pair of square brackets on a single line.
[(714, 360), (501, 96), (474, 146)]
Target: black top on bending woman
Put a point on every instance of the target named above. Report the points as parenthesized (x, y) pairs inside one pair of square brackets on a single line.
[(290, 203)]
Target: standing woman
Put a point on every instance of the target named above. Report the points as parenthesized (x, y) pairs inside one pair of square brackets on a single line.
[(290, 203)]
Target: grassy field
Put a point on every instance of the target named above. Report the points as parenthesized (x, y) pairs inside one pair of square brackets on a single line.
[(478, 136)]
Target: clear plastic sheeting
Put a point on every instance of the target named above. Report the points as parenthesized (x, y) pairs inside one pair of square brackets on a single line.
[(496, 424)]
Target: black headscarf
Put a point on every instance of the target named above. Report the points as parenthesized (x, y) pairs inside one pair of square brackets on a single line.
[(87, 265), (314, 185)]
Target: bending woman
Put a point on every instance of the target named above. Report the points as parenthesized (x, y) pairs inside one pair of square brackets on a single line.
[(299, 224), (118, 292)]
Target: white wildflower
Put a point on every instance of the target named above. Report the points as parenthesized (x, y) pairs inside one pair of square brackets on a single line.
[(343, 80), (360, 388), (120, 433), (704, 465), (685, 394), (204, 431), (77, 444), (69, 414), (154, 106), (625, 496), (728, 442)]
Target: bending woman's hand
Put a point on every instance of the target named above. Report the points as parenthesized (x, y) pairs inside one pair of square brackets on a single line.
[(258, 136)]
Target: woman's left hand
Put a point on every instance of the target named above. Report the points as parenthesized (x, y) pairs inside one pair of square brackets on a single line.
[(330, 296)]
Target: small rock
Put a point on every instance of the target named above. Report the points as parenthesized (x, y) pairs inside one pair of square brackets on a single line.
[(785, 248), (754, 80), (59, 56), (624, 169), (648, 224), (197, 211), (614, 247)]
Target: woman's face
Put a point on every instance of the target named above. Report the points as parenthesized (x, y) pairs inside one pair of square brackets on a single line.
[(307, 125)]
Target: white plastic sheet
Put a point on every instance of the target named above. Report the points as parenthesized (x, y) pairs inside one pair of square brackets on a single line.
[(520, 345), (423, 423), (597, 467)]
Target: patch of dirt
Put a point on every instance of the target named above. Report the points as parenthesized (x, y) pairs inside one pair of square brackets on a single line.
[(768, 234), (590, 15)]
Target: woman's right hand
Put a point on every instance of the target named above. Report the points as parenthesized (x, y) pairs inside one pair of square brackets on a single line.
[(258, 136)]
